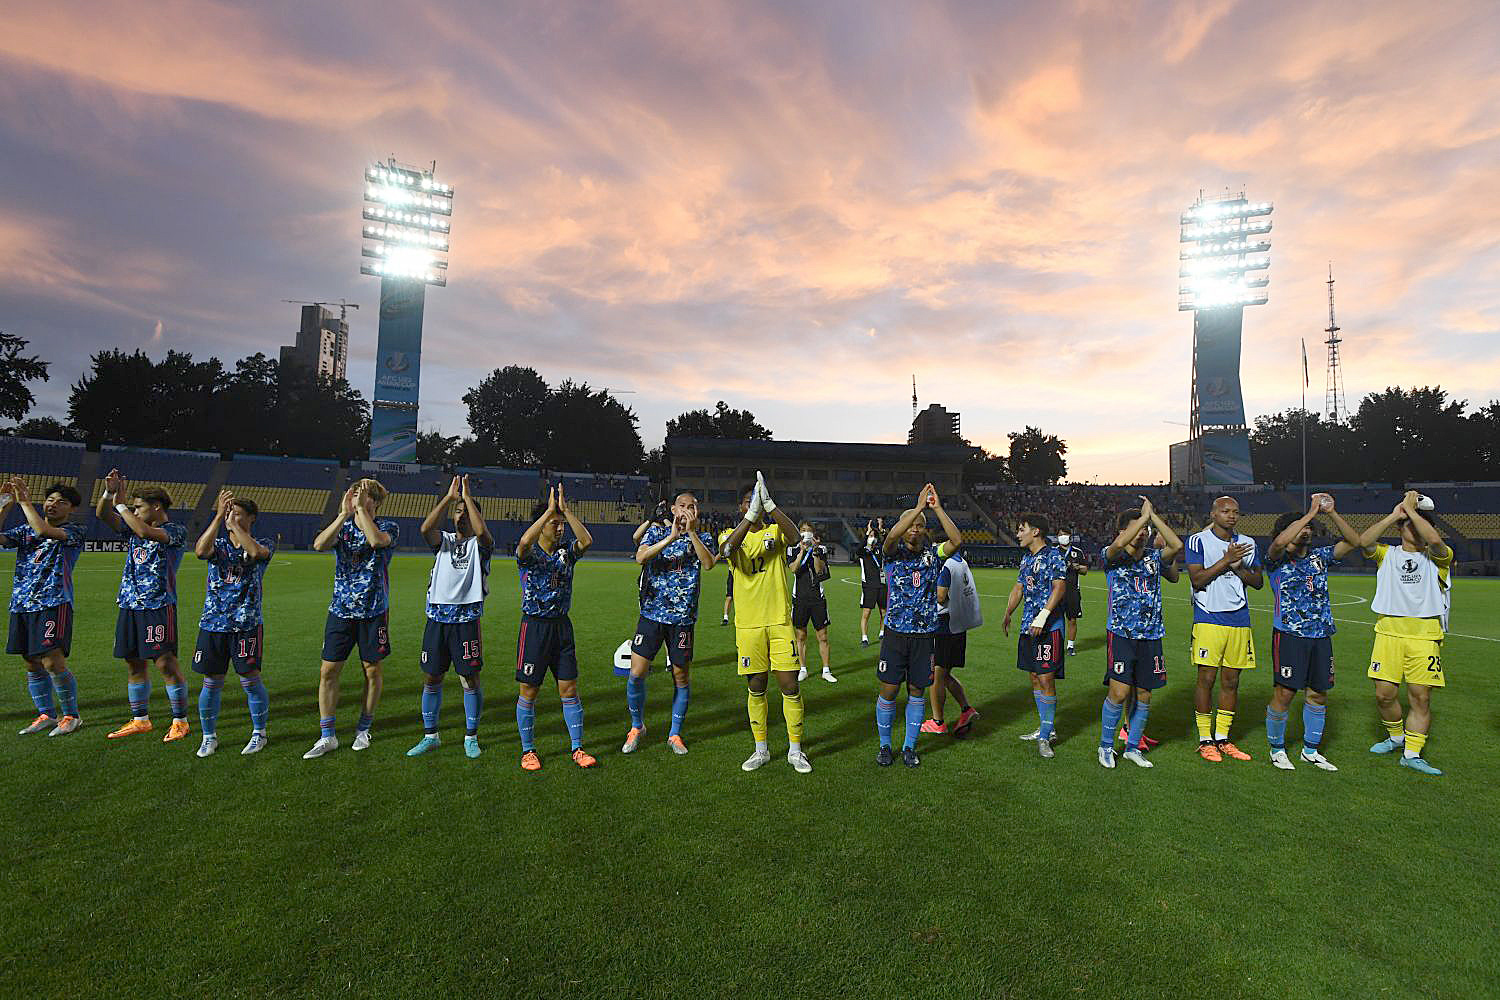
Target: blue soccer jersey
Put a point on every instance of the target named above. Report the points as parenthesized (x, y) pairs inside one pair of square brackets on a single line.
[(361, 572), (669, 583), (912, 607), (149, 580), (1135, 594), (232, 594), (547, 581), (1039, 570), (44, 567), (1299, 594)]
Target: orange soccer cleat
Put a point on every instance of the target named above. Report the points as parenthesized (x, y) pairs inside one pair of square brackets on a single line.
[(582, 759), (530, 761), (1230, 750), (1210, 752), (141, 725), (178, 731)]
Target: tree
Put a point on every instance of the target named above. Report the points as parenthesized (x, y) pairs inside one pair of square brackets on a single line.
[(44, 429), (590, 431), (320, 417), (434, 448), (1412, 435), (1486, 437), (16, 369), (1333, 450), (1036, 459), (721, 422), (506, 414), (113, 403), (982, 467)]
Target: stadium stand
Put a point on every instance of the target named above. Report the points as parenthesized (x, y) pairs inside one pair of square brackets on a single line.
[(40, 463), (292, 494), (183, 474)]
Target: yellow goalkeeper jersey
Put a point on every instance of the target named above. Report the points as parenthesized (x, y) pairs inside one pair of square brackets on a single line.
[(762, 586)]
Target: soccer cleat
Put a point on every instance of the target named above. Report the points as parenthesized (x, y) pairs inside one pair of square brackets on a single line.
[(965, 722), (1044, 747), (530, 761), (1148, 743), (1071, 649), (828, 676), (141, 725), (864, 640), (883, 757), (1210, 752), (256, 745), (582, 758), (1282, 761), (1387, 745), (471, 747), (633, 739), (1035, 735), (909, 757), (66, 725), (756, 760), (1317, 760), (675, 742), (208, 746), (38, 724), (1418, 764), (802, 674), (179, 730), (882, 633), (725, 620), (1107, 757), (799, 761), (361, 740), (1228, 749), (1137, 758), (426, 744), (326, 744), (934, 726)]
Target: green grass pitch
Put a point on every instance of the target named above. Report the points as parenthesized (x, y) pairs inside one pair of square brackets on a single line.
[(135, 869)]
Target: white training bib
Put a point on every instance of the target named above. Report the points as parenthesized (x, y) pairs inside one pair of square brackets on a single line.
[(457, 576), (1410, 585)]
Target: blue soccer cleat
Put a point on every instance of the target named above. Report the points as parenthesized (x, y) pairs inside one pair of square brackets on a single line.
[(1386, 745), (1418, 764), (428, 742), (471, 747)]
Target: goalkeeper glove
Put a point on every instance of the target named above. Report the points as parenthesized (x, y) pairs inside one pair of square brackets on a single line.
[(766, 503)]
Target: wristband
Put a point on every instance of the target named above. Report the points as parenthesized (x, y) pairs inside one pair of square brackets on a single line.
[(1040, 621), (121, 508)]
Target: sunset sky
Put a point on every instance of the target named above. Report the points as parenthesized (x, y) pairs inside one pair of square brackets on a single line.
[(791, 206)]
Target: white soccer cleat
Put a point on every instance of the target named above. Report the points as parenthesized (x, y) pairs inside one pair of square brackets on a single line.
[(69, 724), (802, 675), (1137, 758), (256, 745), (326, 744), (1282, 761), (828, 676), (1107, 757), (361, 740), (799, 761), (1036, 734), (1044, 747), (756, 761), (633, 739), (208, 746), (1317, 760)]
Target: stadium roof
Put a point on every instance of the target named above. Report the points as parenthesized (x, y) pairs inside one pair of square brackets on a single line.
[(826, 451)]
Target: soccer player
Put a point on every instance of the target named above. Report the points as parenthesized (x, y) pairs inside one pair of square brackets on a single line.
[(912, 567), (1413, 590), (1072, 597), (1302, 627), (1134, 568), (146, 626), (1039, 590), (455, 611), (672, 561), (546, 639), (764, 643), (873, 592), (1221, 563), (231, 629), (41, 600), (958, 611), (728, 577), (362, 545), (808, 563)]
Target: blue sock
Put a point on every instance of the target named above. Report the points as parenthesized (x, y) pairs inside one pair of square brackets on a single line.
[(679, 709), (177, 698), (885, 713), (1109, 723), (473, 705), (365, 721), (635, 700), (432, 703), (1046, 710), (916, 711), (1313, 718), (573, 716), (66, 687), (260, 702), (208, 704), (1276, 728), (526, 723), (1137, 725), (139, 693), (39, 686), (325, 727)]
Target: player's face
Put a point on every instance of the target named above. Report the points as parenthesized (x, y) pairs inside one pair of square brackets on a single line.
[(1304, 536), (460, 515), (149, 512), (1226, 514), (1142, 537), (1025, 533), (745, 503), (915, 535), (56, 508), (239, 518), (686, 506)]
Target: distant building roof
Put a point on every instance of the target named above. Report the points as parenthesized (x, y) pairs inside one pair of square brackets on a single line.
[(819, 451)]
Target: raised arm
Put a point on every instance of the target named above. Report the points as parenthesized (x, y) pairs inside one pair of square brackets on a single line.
[(638, 534), (329, 536), (905, 521), (8, 490), (1373, 533), (150, 532), (788, 527), (646, 553), (1287, 537), (707, 558), (1173, 547), (1423, 529), (1349, 538), (955, 537), (532, 533), (432, 524), (476, 519), (1127, 534), (39, 524), (104, 510), (364, 516), (240, 535), (205, 544)]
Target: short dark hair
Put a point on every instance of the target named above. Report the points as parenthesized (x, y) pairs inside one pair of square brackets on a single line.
[(153, 494), (248, 506), (746, 490), (1037, 521), (67, 492), (1123, 519), (1285, 521)]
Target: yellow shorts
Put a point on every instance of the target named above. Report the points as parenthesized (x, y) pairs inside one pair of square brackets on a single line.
[(1398, 658), (1223, 646), (769, 647)]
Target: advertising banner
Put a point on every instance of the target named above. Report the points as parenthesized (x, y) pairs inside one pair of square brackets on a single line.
[(1216, 336), (398, 362), (1226, 459), (393, 434)]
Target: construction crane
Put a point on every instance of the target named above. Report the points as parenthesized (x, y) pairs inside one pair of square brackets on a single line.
[(344, 307)]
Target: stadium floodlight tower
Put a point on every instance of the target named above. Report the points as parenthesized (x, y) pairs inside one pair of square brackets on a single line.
[(1225, 251), (406, 216)]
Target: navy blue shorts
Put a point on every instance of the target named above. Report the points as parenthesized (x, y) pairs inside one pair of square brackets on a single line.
[(37, 633), (729, 584), (812, 610), (455, 644), (145, 635), (218, 651), (545, 644), (873, 595), (1299, 663), (650, 636), (341, 635), (1042, 655), (1137, 662), (905, 658), (950, 649)]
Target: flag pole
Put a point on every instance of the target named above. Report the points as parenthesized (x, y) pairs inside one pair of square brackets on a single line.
[(1305, 378)]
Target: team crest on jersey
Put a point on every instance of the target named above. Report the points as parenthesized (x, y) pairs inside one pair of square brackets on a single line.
[(769, 544)]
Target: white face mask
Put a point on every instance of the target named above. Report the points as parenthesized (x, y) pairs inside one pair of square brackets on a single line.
[(1064, 539)]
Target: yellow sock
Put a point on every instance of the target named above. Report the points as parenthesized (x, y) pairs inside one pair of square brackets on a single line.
[(1205, 726), (1222, 720), (791, 707), (1414, 743), (757, 707), (1395, 729)]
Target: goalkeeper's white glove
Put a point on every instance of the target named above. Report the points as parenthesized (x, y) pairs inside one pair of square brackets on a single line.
[(1040, 621), (766, 503), (756, 505)]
